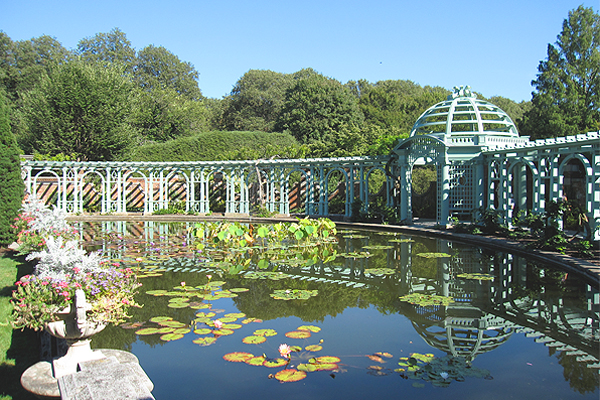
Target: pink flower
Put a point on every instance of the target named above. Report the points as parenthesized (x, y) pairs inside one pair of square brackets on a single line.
[(139, 259), (125, 301), (285, 350), (209, 277), (218, 324), (182, 283)]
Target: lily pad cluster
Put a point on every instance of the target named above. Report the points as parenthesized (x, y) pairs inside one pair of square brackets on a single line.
[(290, 372), (440, 371), (293, 294), (434, 255), (424, 300), (476, 276)]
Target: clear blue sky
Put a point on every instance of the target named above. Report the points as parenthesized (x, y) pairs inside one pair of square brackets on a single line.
[(494, 46)]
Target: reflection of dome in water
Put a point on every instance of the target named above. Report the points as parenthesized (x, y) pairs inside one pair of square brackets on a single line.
[(465, 332), (462, 114)]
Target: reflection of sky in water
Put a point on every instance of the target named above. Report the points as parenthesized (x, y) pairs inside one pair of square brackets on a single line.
[(520, 367)]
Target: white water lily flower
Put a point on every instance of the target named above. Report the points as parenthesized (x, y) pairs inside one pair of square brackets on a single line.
[(444, 375)]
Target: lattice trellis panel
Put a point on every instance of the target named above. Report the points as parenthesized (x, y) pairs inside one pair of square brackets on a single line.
[(461, 175)]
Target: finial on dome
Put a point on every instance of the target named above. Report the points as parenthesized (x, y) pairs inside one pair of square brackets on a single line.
[(462, 91)]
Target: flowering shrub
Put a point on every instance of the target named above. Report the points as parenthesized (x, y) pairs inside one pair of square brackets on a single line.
[(38, 299), (35, 223)]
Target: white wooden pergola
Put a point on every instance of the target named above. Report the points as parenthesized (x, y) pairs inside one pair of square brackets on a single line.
[(480, 159)]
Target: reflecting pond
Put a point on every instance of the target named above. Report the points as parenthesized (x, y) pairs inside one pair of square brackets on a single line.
[(375, 314)]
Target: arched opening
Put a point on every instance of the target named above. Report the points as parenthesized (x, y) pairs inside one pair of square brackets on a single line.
[(92, 192), (135, 191), (521, 189), (217, 194), (574, 190), (297, 192), (258, 195), (177, 191), (336, 181), (424, 182)]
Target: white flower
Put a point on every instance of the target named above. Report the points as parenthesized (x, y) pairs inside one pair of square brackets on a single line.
[(444, 375)]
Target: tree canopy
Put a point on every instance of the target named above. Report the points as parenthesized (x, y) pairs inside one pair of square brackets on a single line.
[(81, 110), (566, 100)]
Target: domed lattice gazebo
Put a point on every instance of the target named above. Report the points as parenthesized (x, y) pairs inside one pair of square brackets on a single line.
[(482, 162)]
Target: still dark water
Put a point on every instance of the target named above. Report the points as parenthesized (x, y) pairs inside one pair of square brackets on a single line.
[(520, 331)]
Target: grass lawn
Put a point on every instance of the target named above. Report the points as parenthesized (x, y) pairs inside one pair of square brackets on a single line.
[(18, 349)]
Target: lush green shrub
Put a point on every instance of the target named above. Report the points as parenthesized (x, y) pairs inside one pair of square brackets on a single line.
[(218, 145), (11, 182)]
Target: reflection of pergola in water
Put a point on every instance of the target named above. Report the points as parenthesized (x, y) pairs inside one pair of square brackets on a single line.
[(480, 159)]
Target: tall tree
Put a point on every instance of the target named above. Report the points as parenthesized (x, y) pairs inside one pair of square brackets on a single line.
[(11, 182), (24, 63), (317, 107), (81, 110), (566, 100), (158, 68), (108, 48), (256, 101)]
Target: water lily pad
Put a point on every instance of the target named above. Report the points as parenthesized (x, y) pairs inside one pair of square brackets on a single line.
[(177, 305), (147, 331), (223, 332), (310, 328), (307, 367), (362, 254), (326, 366), (182, 331), (235, 315), (227, 319), (239, 290), (476, 276), (375, 358), (327, 359), (313, 347), (205, 341), (198, 306), (400, 240), (254, 339), (298, 334), (205, 314), (168, 337), (231, 326), (265, 332), (256, 361), (384, 354), (202, 320), (250, 320), (426, 299), (172, 324), (156, 292), (380, 271), (238, 356), (378, 247), (293, 294), (131, 325), (202, 331), (434, 255), (296, 349), (275, 362), (160, 319), (290, 375)]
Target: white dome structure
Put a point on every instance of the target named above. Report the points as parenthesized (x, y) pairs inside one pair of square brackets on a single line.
[(462, 114)]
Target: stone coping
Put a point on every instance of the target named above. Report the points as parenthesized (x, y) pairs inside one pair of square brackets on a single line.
[(587, 269)]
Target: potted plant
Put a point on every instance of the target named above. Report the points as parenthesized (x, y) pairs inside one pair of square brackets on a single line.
[(72, 295)]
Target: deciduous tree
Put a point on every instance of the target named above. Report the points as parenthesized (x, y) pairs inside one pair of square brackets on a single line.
[(80, 110)]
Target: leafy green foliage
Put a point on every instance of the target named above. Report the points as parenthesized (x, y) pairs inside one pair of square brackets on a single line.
[(214, 146), (567, 87), (80, 110), (316, 108), (10, 177)]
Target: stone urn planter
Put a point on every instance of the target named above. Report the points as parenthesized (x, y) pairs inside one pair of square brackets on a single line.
[(77, 329)]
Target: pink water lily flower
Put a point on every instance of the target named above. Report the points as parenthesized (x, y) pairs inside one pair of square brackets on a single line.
[(218, 324), (285, 350)]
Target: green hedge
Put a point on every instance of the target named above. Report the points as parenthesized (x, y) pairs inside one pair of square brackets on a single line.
[(218, 145)]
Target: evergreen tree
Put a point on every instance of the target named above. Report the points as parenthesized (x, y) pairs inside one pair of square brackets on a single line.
[(11, 183), (567, 96)]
